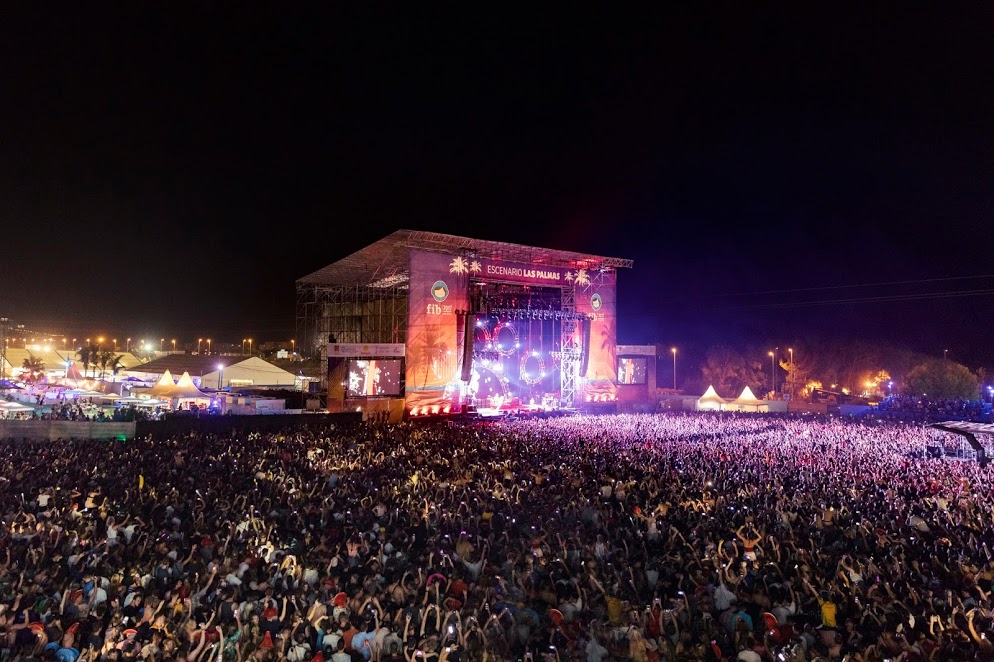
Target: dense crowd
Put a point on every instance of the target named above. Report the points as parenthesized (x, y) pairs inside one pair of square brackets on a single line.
[(670, 537), (925, 408)]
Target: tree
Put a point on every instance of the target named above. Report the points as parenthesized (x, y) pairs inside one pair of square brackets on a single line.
[(116, 366), (105, 358), (729, 372), (88, 356), (942, 379), (34, 367)]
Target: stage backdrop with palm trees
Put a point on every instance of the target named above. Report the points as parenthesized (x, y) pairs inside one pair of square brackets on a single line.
[(596, 295), (438, 290)]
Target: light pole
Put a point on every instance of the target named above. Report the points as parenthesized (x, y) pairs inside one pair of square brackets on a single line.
[(673, 349), (293, 348), (115, 344), (161, 341), (199, 340), (773, 371), (208, 345), (243, 346), (127, 347), (220, 372), (174, 344), (250, 346), (791, 387), (945, 354), (74, 343)]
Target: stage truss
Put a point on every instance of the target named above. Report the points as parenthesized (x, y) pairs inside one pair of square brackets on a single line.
[(349, 314)]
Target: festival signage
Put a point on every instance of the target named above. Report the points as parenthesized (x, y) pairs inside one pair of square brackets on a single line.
[(360, 350), (436, 308), (511, 272), (596, 296)]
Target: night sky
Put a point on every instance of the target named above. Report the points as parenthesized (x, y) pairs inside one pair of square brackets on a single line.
[(173, 174)]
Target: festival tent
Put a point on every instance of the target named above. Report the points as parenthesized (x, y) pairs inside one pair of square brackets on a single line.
[(710, 401), (747, 402), (187, 390), (163, 388), (73, 375), (7, 408)]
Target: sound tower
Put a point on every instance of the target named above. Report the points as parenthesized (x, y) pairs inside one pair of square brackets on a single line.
[(467, 347), (585, 346)]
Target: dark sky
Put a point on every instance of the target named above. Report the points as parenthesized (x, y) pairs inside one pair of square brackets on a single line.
[(175, 173)]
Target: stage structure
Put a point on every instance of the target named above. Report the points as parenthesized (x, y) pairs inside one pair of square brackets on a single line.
[(449, 323), (962, 440)]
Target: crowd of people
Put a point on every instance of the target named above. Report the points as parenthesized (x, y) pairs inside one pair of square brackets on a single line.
[(926, 408), (708, 536)]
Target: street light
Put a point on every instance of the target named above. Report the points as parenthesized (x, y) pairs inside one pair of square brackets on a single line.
[(673, 349), (115, 344), (220, 372), (174, 344), (250, 346), (208, 345), (773, 371), (127, 347), (945, 354), (199, 340), (791, 389), (161, 341), (293, 348)]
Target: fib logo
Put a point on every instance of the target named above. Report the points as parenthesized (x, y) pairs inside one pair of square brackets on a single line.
[(440, 291)]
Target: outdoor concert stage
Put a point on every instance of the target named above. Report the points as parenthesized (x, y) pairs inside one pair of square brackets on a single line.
[(426, 324)]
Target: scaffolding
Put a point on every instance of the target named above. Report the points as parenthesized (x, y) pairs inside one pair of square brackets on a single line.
[(349, 314), (570, 350)]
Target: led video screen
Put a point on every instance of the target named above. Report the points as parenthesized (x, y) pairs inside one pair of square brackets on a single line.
[(373, 377), (632, 370)]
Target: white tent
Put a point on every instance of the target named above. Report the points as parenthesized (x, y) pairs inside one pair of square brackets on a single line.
[(164, 387), (710, 401), (747, 402), (7, 408), (246, 372), (185, 389)]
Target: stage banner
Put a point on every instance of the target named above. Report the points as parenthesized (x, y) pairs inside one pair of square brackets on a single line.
[(438, 298), (596, 296), (360, 350), (510, 272)]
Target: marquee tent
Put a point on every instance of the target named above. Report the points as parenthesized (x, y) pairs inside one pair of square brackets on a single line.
[(710, 401), (747, 402), (186, 390), (163, 388)]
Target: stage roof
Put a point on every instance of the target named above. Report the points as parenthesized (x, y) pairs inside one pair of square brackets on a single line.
[(384, 263)]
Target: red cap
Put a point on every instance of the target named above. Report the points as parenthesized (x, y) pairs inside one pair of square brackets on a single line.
[(318, 657), (130, 632), (340, 599), (270, 612), (556, 616), (267, 641)]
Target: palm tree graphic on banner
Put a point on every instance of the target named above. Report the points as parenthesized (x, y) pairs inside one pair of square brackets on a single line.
[(458, 266), (475, 267), (582, 277)]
